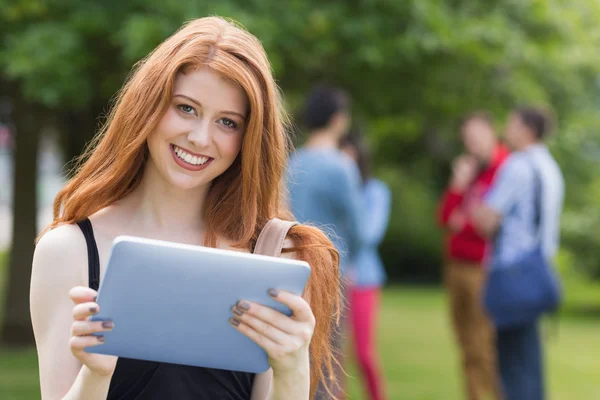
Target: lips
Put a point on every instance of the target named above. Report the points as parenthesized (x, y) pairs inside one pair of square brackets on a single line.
[(188, 160)]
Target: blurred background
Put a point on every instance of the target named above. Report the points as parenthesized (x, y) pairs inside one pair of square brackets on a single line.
[(412, 67)]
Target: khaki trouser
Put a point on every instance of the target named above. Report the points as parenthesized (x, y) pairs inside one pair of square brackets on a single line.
[(474, 331)]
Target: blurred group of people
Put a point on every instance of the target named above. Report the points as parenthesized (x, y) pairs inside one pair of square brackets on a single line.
[(330, 185), (504, 198)]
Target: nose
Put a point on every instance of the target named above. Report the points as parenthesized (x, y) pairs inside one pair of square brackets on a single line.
[(200, 135)]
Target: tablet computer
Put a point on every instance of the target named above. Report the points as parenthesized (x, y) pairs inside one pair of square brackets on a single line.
[(172, 302)]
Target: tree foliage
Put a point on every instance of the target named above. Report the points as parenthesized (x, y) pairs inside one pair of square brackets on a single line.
[(413, 68)]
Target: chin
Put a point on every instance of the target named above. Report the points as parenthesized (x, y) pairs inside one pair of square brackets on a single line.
[(186, 182)]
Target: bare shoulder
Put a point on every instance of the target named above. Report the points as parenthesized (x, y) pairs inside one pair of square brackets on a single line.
[(63, 242), (59, 256)]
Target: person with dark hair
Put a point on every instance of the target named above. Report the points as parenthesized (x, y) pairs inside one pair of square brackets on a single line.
[(522, 212), (327, 109), (367, 274), (324, 186), (538, 120), (464, 272)]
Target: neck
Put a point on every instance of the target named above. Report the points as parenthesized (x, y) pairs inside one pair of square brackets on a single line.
[(323, 139), (158, 205)]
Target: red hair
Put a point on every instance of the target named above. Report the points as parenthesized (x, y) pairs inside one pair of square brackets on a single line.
[(244, 197)]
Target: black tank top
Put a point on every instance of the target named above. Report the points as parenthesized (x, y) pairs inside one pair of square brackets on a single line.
[(145, 380)]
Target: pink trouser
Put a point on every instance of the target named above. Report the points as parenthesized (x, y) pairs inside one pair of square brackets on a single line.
[(363, 310)]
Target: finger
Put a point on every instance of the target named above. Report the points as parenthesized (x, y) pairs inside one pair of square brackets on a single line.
[(84, 328), (82, 294), (264, 342), (84, 311), (79, 343), (263, 327), (300, 308), (264, 313)]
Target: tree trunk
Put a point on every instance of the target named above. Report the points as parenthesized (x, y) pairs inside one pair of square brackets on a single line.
[(78, 128), (16, 326)]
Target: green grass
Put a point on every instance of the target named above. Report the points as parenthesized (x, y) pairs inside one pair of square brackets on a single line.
[(19, 375), (420, 360), (418, 352), (416, 348)]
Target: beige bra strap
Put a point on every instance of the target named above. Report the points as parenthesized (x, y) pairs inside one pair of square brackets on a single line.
[(270, 240)]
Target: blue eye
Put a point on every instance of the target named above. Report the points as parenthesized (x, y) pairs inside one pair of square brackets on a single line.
[(186, 109), (229, 123)]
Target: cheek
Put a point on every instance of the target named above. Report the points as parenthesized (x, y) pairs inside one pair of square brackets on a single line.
[(169, 125), (230, 145), (480, 145), (470, 142), (167, 128), (153, 141), (470, 146)]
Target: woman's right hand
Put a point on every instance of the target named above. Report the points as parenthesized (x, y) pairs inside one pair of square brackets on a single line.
[(82, 330)]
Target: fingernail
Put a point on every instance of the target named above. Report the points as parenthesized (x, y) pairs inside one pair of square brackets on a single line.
[(273, 292), (244, 305), (93, 310), (101, 339), (238, 311), (108, 324), (234, 322)]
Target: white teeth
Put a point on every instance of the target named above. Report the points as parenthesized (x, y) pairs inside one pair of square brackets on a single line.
[(188, 158)]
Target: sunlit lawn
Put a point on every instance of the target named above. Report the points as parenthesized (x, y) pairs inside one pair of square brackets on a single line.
[(420, 360), (418, 353)]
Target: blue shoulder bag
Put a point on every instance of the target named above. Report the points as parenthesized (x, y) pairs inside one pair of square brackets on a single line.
[(520, 292)]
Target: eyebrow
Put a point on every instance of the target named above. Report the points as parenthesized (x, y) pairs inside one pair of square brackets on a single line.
[(200, 105)]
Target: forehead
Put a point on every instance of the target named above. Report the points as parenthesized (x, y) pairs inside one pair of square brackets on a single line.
[(211, 90), (475, 126)]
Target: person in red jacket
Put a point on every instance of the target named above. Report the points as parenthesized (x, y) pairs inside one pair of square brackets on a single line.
[(472, 177)]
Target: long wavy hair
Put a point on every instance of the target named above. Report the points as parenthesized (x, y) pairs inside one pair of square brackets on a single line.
[(243, 198)]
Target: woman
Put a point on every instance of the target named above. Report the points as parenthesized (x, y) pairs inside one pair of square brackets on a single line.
[(192, 152), (368, 274)]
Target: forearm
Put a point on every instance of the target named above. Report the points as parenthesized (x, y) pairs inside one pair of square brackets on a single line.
[(291, 386), (89, 386), (485, 220)]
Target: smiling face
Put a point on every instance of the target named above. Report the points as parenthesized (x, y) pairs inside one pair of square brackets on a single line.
[(200, 134)]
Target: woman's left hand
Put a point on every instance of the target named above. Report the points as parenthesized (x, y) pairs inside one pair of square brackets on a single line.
[(285, 339)]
